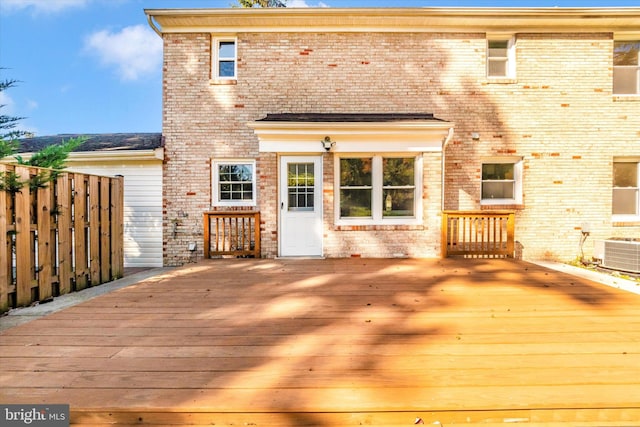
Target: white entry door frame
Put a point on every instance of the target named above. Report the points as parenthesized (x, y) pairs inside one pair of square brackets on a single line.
[(300, 219)]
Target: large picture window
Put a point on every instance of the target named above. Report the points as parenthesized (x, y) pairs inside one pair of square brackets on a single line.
[(626, 67), (233, 183), (378, 189), (625, 189)]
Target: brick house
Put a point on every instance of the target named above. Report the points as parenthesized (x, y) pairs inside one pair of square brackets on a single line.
[(422, 110)]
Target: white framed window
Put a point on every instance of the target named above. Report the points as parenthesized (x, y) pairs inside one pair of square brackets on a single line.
[(501, 181), (234, 182), (378, 189), (225, 58), (626, 67), (501, 61), (625, 198)]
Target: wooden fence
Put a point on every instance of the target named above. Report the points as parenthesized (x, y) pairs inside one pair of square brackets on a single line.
[(58, 234), (232, 233), (481, 234)]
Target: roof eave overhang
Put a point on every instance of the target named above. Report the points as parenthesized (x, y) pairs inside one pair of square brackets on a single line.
[(103, 156), (395, 20), (352, 137)]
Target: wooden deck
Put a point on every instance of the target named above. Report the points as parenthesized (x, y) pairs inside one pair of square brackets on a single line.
[(338, 342)]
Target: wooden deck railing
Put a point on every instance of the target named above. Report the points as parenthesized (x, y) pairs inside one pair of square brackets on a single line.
[(57, 235), (232, 233), (489, 234)]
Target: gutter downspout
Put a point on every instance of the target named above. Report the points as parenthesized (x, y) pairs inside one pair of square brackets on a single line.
[(445, 141), (153, 25)]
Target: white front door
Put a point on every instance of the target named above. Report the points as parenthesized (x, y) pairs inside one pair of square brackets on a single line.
[(300, 206)]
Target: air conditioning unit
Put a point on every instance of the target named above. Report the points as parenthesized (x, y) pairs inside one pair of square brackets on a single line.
[(621, 254)]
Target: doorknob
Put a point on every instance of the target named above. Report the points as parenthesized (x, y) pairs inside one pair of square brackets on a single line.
[(281, 205)]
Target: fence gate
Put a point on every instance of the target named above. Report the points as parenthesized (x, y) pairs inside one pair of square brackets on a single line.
[(478, 234)]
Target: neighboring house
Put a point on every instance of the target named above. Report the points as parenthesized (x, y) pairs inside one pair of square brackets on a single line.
[(137, 157), (532, 110)]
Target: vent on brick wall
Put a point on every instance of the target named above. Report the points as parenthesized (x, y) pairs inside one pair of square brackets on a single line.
[(621, 254)]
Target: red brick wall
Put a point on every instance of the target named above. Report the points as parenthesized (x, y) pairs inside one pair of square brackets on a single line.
[(558, 115)]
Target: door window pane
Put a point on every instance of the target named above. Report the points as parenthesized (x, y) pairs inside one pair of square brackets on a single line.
[(300, 183)]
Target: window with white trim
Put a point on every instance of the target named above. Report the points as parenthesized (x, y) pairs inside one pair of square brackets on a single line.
[(234, 182), (379, 189), (626, 201), (501, 182), (225, 58), (501, 56), (626, 67)]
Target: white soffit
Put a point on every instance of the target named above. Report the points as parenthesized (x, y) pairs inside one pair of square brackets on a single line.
[(434, 19), (352, 137)]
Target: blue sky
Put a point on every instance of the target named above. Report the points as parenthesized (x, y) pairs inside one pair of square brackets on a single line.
[(94, 66)]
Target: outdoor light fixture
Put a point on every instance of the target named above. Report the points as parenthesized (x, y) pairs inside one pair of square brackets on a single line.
[(327, 143), (475, 136)]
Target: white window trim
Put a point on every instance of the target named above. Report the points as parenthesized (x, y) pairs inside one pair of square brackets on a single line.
[(215, 181), (511, 55), (215, 68), (517, 172), (627, 217), (376, 195)]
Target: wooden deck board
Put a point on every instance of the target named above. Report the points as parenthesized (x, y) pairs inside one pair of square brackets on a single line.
[(337, 342)]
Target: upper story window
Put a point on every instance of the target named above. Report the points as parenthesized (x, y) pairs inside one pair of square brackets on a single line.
[(379, 190), (233, 182), (626, 67), (625, 188), (501, 182), (501, 56), (225, 58)]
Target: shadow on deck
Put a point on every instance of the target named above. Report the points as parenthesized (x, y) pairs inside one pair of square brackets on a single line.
[(337, 342)]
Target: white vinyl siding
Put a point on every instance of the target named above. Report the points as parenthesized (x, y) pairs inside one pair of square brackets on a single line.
[(142, 207)]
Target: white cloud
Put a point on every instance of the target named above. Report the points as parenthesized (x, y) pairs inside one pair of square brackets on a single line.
[(32, 105), (42, 5), (303, 3), (7, 103), (135, 51)]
